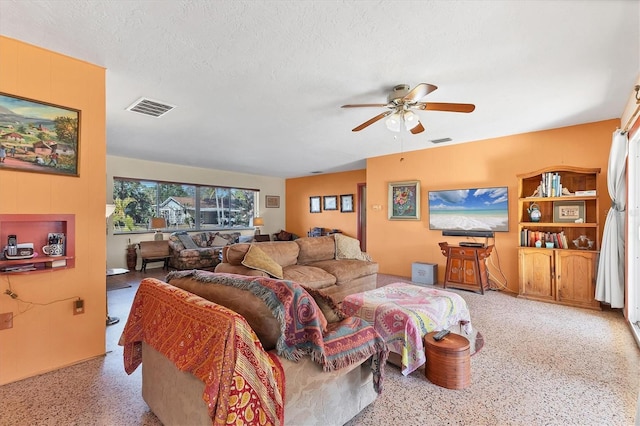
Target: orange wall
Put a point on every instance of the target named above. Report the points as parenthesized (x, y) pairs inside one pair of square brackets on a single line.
[(492, 162), (300, 221), (45, 338)]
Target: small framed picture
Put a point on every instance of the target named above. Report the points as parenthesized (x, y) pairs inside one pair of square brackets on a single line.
[(314, 204), (404, 200), (346, 203), (568, 211), (330, 202), (272, 201)]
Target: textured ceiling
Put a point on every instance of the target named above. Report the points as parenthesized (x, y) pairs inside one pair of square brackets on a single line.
[(258, 84)]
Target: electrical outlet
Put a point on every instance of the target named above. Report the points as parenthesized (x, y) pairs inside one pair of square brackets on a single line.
[(78, 307), (6, 320)]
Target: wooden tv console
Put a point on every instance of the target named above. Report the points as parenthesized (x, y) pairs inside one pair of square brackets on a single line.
[(466, 267)]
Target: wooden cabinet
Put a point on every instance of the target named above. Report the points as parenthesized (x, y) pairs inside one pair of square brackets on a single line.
[(565, 272), (35, 229), (466, 268), (559, 276)]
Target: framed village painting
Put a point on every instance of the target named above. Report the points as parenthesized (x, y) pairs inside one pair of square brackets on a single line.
[(38, 137)]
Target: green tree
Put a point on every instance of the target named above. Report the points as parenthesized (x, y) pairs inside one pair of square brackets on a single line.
[(142, 200), (67, 130), (174, 190), (242, 207), (22, 129)]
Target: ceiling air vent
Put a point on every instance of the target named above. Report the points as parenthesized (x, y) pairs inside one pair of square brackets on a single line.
[(148, 107), (443, 140)]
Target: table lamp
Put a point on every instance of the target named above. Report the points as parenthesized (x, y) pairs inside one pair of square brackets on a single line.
[(258, 222), (158, 223)]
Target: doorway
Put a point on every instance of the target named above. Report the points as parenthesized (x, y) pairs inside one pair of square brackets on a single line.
[(362, 215)]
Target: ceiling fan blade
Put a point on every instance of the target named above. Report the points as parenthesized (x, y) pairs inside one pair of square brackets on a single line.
[(364, 105), (443, 106), (419, 92), (418, 129), (371, 121)]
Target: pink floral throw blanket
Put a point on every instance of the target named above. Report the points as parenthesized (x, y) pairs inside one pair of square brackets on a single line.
[(403, 314)]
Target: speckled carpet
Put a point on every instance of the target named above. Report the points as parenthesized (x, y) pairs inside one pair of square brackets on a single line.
[(542, 364)]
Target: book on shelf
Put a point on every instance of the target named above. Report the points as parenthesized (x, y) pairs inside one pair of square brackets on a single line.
[(25, 267), (529, 237), (550, 185), (56, 263), (587, 193)]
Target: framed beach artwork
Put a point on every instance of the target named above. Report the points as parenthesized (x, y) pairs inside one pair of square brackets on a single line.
[(38, 137), (404, 200)]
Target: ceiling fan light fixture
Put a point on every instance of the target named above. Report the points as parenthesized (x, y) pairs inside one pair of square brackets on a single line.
[(410, 120), (394, 122)]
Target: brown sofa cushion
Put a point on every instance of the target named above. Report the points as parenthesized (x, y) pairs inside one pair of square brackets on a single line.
[(257, 259), (309, 276), (313, 249), (243, 302), (347, 269)]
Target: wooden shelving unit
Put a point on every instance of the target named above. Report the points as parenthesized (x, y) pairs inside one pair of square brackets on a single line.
[(566, 273), (35, 228)]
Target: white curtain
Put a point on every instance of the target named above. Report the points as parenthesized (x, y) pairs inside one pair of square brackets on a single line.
[(610, 281)]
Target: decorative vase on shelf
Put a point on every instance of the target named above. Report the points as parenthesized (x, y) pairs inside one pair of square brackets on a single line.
[(534, 212), (132, 258)]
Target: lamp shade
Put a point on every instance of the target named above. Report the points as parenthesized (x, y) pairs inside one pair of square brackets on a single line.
[(110, 209), (158, 223), (410, 120), (258, 221), (393, 122)]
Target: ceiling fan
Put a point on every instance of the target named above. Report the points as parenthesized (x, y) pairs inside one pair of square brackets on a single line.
[(401, 101)]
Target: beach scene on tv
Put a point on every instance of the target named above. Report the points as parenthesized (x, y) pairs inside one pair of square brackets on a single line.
[(478, 209)]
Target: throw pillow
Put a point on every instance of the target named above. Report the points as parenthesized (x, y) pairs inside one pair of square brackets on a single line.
[(259, 260), (218, 241), (187, 241), (284, 236), (349, 248), (327, 305)]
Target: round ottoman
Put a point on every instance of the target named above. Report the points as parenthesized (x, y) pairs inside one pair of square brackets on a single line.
[(448, 361)]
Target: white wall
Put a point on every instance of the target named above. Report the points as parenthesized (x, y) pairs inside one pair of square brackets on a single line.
[(274, 219)]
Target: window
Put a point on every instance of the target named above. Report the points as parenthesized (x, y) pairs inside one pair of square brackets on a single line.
[(184, 206)]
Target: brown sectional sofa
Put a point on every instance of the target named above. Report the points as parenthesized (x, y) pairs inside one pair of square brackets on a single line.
[(310, 261), (312, 396)]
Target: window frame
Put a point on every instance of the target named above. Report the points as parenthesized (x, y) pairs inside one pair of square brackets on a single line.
[(197, 188)]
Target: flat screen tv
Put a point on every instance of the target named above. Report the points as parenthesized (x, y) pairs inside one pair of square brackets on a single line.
[(472, 212)]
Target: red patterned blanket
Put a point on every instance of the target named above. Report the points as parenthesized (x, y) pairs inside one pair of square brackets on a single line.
[(243, 383)]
